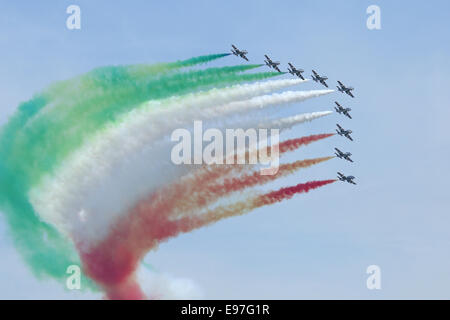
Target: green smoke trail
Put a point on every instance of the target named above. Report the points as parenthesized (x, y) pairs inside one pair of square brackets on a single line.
[(116, 99), (95, 85), (137, 72), (81, 93), (75, 108), (49, 139), (198, 60), (108, 78), (42, 247), (115, 77)]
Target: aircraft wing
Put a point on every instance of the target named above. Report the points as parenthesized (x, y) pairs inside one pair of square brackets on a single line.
[(348, 136), (339, 126), (244, 57), (315, 73), (300, 75), (324, 83), (276, 68), (351, 94), (340, 83), (348, 115)]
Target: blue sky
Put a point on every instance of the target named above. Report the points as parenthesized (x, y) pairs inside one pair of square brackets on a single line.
[(313, 246)]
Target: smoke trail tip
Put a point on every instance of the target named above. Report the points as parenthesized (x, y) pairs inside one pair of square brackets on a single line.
[(323, 113), (216, 55), (311, 185), (198, 60), (326, 91), (288, 192), (250, 66)]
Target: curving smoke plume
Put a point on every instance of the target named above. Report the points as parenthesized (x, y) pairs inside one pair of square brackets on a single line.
[(86, 176)]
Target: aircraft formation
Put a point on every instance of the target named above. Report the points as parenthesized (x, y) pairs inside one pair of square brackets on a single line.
[(322, 80)]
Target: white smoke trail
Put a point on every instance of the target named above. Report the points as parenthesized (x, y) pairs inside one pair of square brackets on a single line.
[(289, 122), (269, 100), (281, 124)]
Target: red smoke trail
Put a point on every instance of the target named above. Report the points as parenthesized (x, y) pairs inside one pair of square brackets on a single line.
[(199, 182), (289, 192), (233, 184), (113, 262), (293, 144), (258, 201)]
